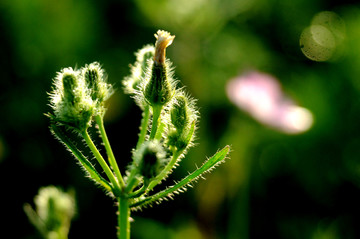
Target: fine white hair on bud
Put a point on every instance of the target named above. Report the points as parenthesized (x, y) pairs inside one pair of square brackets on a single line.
[(71, 100), (96, 82), (149, 159), (138, 70), (163, 40), (78, 95), (184, 118)]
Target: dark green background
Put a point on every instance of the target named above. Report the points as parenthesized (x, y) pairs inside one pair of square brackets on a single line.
[(274, 186)]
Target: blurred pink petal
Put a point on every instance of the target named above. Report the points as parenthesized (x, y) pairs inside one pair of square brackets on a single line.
[(261, 96)]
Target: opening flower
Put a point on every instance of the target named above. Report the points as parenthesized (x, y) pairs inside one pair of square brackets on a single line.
[(164, 39)]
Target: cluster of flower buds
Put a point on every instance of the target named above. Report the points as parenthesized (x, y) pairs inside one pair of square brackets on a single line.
[(79, 95), (167, 128), (174, 115)]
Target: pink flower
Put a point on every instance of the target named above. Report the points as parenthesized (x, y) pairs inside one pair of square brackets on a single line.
[(261, 96)]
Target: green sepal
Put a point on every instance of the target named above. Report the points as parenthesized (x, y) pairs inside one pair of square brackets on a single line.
[(159, 90)]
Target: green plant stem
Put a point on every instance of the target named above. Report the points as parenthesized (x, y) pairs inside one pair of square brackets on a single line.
[(124, 218), (165, 171), (82, 159), (144, 126), (207, 166), (155, 120), (99, 120), (101, 160)]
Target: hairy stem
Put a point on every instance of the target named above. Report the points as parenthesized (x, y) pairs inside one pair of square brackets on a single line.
[(112, 160), (165, 171), (101, 161), (155, 120), (82, 159), (144, 126), (208, 165), (124, 218)]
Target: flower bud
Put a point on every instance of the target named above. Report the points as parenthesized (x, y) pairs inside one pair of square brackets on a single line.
[(71, 101), (160, 88), (138, 70), (183, 117), (53, 213), (182, 139), (179, 113), (69, 83), (99, 89), (149, 159)]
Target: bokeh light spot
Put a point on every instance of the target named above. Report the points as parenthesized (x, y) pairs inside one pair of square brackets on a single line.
[(317, 43), (322, 40)]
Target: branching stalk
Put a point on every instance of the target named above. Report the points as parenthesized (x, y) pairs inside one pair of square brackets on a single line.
[(99, 120), (101, 161), (165, 171)]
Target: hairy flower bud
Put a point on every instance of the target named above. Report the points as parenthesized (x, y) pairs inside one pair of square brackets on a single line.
[(138, 70), (180, 113), (53, 213), (183, 117), (71, 101), (159, 90), (95, 80), (69, 82), (149, 159)]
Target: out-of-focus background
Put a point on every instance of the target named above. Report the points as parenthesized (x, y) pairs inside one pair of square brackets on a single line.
[(277, 80)]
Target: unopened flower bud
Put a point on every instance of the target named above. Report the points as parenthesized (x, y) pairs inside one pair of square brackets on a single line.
[(183, 116), (179, 113), (149, 159), (53, 213), (138, 70), (71, 101), (69, 82), (95, 80), (159, 90)]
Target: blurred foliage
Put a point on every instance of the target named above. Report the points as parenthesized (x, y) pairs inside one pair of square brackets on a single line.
[(274, 185)]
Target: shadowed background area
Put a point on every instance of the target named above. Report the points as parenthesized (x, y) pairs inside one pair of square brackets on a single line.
[(277, 80)]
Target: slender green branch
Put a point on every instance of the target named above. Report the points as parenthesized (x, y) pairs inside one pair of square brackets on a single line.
[(132, 182), (209, 164), (112, 160), (165, 171), (82, 159), (124, 218), (101, 161), (155, 121), (140, 191), (144, 126)]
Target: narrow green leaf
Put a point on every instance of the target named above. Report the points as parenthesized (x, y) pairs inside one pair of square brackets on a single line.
[(208, 165), (85, 163)]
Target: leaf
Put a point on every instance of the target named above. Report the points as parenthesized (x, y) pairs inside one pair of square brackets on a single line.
[(207, 166)]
